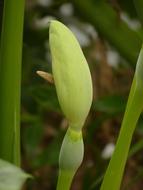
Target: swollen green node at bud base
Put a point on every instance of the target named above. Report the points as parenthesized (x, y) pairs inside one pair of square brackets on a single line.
[(72, 150)]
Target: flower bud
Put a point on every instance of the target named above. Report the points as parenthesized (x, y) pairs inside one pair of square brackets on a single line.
[(71, 74)]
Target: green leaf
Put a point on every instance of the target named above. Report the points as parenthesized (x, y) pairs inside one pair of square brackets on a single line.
[(106, 21), (11, 177), (138, 5)]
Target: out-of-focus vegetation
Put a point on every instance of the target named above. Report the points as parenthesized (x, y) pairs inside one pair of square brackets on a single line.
[(110, 33)]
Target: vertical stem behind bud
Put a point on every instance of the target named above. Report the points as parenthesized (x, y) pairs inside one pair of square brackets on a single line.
[(10, 80), (115, 170)]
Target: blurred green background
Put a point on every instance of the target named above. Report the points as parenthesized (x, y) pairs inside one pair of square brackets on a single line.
[(110, 33)]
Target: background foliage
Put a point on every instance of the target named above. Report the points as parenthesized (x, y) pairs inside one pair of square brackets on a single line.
[(110, 33)]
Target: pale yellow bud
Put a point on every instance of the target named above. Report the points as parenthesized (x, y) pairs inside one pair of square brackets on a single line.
[(71, 74)]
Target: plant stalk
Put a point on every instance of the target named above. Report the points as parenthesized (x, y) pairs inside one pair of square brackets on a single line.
[(10, 80), (115, 170), (65, 179), (71, 156)]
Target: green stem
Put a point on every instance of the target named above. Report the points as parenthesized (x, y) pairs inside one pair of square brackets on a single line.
[(65, 179), (115, 170), (117, 163), (10, 79), (71, 156)]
